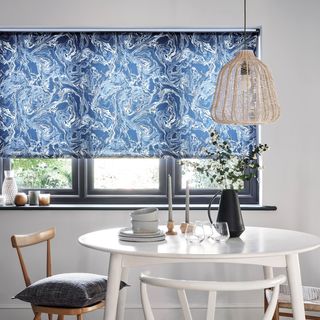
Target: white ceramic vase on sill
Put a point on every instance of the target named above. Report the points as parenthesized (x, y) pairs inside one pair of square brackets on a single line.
[(9, 187)]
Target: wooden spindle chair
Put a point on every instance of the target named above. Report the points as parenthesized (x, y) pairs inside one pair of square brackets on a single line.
[(20, 241), (311, 296)]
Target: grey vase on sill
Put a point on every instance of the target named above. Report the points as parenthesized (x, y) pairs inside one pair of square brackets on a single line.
[(9, 187), (229, 211)]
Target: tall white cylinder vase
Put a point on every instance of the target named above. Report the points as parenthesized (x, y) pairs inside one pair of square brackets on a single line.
[(9, 187)]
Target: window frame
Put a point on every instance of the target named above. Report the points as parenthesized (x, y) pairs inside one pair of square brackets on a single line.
[(59, 195), (248, 195), (82, 191), (124, 196)]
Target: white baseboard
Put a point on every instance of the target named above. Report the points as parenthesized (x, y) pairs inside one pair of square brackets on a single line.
[(8, 312)]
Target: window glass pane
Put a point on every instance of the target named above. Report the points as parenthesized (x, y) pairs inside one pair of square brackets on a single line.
[(125, 173), (203, 179), (43, 173)]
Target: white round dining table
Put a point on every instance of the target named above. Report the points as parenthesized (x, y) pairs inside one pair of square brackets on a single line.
[(267, 247)]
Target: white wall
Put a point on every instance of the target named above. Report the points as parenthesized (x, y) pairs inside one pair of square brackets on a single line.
[(290, 47)]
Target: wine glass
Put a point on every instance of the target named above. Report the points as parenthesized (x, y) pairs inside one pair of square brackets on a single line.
[(194, 233), (207, 228), (220, 231)]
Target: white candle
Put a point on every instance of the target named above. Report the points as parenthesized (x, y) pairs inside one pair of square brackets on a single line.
[(187, 218), (169, 198)]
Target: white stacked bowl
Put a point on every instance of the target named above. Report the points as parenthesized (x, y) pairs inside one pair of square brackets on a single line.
[(145, 220)]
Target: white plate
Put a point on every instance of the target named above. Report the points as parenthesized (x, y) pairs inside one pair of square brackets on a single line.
[(128, 232), (139, 239)]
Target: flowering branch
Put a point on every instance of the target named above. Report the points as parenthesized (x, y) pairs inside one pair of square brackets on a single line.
[(225, 168)]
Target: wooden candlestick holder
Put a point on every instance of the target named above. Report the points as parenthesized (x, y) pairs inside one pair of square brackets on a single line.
[(170, 226), (183, 226)]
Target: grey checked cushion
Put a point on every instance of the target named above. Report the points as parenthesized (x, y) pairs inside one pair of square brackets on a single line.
[(67, 290)]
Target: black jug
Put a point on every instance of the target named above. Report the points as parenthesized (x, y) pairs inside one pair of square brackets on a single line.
[(229, 211)]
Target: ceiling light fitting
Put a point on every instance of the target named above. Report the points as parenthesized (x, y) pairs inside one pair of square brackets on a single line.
[(245, 92)]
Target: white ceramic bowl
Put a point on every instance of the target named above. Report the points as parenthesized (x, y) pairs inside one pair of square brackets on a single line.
[(145, 226), (145, 214)]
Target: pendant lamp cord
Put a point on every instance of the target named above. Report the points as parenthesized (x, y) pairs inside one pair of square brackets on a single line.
[(245, 23)]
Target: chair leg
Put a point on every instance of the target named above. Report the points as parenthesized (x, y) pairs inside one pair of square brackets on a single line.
[(184, 304), (60, 317), (276, 315), (79, 317), (146, 302), (49, 316), (37, 316)]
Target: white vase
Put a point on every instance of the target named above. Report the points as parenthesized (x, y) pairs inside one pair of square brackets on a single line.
[(9, 187)]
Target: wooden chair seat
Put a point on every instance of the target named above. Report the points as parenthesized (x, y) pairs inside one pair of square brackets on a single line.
[(66, 311), (311, 297)]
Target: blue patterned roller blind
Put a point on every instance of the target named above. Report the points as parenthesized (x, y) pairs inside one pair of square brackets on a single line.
[(112, 94)]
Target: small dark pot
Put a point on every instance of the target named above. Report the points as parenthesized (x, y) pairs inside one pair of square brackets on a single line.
[(230, 212)]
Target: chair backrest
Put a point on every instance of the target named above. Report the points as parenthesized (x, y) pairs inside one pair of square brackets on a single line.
[(25, 240), (211, 287)]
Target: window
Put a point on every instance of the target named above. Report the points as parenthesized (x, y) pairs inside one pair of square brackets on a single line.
[(43, 173), (105, 99), (125, 174), (116, 181)]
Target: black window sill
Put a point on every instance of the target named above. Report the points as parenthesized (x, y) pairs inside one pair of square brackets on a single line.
[(129, 207)]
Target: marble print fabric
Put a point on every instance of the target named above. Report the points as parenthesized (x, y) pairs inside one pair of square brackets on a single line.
[(110, 94)]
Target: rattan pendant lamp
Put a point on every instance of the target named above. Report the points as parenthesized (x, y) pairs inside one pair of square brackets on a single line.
[(245, 92)]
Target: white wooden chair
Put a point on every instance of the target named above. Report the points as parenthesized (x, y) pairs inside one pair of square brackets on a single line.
[(211, 287)]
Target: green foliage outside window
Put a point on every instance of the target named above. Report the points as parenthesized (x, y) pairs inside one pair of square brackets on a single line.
[(43, 173)]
